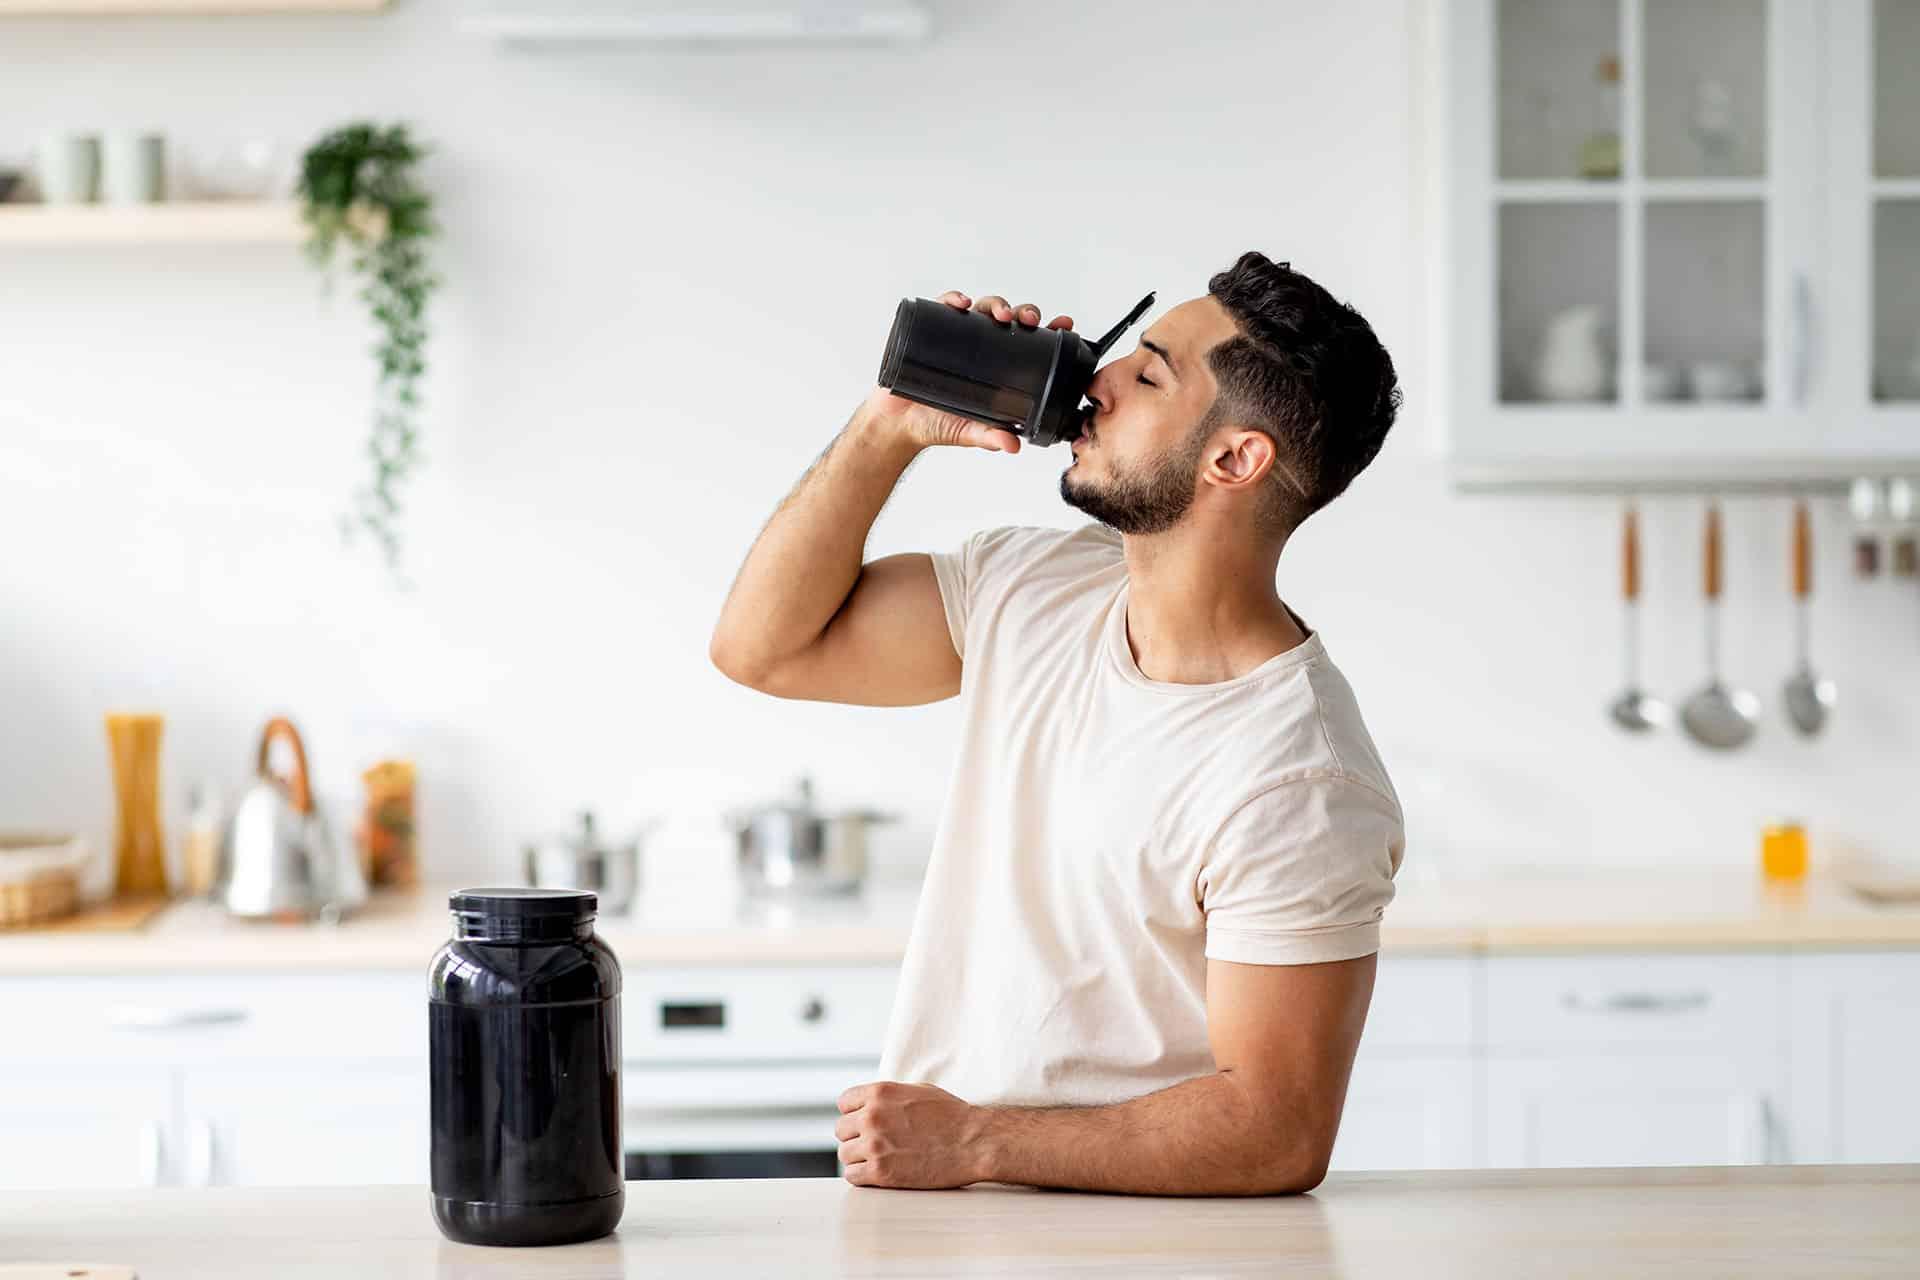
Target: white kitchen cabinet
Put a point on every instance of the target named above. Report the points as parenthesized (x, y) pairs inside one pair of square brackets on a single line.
[(203, 1080), (1504, 1059), (1635, 1059), (292, 1124), (1855, 1057), (1872, 190), (1414, 1112), (1662, 236), (1412, 1101), (1593, 1109), (86, 1124)]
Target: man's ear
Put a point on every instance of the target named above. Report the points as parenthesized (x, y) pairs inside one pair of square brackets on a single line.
[(1240, 460)]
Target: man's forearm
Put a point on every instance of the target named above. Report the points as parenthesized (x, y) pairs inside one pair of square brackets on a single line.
[(808, 557), (1205, 1136)]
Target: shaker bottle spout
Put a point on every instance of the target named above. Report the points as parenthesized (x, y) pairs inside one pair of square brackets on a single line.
[(1113, 335)]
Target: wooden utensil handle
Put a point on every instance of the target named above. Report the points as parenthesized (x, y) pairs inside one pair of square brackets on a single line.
[(1630, 555), (1713, 551), (1802, 551), (302, 788)]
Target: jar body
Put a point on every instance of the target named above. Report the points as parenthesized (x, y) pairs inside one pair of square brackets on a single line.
[(524, 1041)]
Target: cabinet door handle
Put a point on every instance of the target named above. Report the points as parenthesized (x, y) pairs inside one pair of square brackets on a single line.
[(1636, 1002), (1803, 338), (139, 1017), (152, 1153), (1774, 1148)]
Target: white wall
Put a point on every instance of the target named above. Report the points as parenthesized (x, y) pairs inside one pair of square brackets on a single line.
[(668, 277)]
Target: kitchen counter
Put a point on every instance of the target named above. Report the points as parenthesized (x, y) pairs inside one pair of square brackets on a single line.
[(1855, 1221), (1644, 910), (401, 929)]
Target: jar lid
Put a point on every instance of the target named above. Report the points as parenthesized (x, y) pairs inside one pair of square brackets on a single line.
[(575, 905)]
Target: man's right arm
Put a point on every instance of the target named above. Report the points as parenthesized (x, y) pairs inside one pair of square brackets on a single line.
[(806, 617)]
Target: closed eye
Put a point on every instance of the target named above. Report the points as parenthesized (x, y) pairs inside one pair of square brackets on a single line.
[(1143, 378)]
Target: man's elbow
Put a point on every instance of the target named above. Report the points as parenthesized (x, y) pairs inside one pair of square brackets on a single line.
[(738, 662), (1301, 1174), (1292, 1167)]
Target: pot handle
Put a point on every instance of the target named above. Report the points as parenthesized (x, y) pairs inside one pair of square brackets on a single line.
[(302, 789)]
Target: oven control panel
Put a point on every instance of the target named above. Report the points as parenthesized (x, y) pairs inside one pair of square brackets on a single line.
[(730, 1015)]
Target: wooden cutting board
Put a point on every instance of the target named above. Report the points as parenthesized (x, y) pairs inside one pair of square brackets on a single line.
[(118, 915)]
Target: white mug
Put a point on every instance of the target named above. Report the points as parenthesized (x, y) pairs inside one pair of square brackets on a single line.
[(67, 167), (133, 169)]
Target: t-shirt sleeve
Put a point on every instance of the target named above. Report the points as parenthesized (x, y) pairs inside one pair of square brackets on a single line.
[(1301, 874), (969, 573)]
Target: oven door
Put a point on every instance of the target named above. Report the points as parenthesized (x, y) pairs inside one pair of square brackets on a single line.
[(732, 1120)]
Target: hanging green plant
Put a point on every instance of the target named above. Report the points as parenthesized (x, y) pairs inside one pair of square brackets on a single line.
[(357, 186)]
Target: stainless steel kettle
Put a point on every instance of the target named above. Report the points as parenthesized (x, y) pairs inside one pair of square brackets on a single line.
[(278, 856)]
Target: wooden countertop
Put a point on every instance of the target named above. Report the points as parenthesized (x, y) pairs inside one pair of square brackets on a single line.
[(1780, 1221), (1645, 910), (401, 930)]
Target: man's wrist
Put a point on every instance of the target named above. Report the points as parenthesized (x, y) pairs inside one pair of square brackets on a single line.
[(985, 1141), (875, 429)]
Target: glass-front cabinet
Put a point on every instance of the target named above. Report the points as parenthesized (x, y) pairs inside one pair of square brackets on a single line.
[(1657, 267), (1873, 207)]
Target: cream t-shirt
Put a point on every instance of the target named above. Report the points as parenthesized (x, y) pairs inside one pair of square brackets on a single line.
[(1105, 834)]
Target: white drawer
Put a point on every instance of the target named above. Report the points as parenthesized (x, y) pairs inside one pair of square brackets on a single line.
[(1662, 1000), (1421, 1002), (667, 1015), (183, 1019), (725, 1015)]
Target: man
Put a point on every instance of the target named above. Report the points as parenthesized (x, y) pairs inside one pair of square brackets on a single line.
[(1145, 947)]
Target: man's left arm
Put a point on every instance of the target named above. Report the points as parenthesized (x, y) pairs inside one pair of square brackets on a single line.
[(1263, 1123)]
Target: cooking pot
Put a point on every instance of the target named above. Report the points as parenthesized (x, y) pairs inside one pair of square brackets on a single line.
[(278, 856), (793, 848), (580, 861)]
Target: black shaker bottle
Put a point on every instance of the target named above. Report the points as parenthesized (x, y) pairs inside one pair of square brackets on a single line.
[(523, 1020), (1029, 381)]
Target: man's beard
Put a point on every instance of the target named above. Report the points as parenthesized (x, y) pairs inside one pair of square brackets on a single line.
[(1145, 501)]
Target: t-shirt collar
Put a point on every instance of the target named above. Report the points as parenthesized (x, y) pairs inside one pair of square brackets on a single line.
[(1121, 655)]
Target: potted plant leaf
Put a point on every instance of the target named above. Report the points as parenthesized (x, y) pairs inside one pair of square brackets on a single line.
[(360, 195)]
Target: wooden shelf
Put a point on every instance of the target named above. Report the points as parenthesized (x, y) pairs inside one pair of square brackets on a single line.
[(1611, 190), (541, 22), (209, 222), (178, 8)]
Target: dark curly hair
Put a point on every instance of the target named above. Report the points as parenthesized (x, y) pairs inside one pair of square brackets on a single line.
[(1307, 370)]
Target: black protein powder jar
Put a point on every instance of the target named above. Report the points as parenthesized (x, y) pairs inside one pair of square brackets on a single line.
[(523, 1019)]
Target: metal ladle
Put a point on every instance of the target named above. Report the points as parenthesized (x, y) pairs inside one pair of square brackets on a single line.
[(1717, 716), (1808, 697), (1634, 710)]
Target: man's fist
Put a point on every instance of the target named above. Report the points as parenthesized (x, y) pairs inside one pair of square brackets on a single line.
[(927, 426), (909, 1135)]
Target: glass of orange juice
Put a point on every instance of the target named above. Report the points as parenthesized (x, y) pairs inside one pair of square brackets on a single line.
[(1783, 851)]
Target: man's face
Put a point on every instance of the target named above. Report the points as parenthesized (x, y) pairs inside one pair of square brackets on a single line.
[(1136, 464)]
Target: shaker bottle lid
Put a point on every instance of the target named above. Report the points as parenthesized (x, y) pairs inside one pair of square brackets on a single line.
[(525, 904)]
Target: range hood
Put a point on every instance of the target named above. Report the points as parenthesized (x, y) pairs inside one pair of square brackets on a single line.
[(688, 22)]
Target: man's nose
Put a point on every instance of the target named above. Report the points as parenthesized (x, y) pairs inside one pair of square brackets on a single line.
[(1097, 390)]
